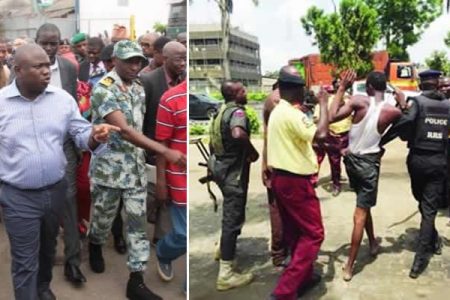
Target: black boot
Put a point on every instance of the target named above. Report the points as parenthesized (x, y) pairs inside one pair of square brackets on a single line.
[(137, 290), (419, 265), (120, 244), (96, 260)]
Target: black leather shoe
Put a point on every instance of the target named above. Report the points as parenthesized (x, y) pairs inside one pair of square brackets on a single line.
[(46, 295), (438, 246), (137, 290), (120, 245), (419, 265), (73, 274), (96, 260)]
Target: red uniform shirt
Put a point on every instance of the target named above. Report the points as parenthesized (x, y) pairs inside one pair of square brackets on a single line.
[(171, 127)]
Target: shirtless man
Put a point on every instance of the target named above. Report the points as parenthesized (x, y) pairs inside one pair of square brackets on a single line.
[(278, 247), (371, 116)]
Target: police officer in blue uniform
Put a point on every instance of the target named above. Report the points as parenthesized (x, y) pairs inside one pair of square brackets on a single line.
[(425, 126)]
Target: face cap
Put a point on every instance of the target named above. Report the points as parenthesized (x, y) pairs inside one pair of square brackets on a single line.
[(126, 49)]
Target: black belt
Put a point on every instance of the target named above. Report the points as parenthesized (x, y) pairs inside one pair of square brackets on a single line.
[(44, 188)]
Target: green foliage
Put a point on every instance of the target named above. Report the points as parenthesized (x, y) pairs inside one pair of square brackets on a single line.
[(216, 95), (439, 61), (256, 96), (159, 27), (447, 38), (403, 21), (251, 96), (345, 39), (198, 129), (254, 119)]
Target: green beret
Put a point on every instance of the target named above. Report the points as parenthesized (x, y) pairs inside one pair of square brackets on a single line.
[(78, 37)]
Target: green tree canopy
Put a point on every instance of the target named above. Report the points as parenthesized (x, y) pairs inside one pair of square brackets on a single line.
[(403, 21), (346, 38), (439, 61), (447, 38), (160, 27)]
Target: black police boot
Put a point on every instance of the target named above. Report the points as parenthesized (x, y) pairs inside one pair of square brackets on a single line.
[(137, 290), (120, 245), (96, 260), (419, 265), (437, 245)]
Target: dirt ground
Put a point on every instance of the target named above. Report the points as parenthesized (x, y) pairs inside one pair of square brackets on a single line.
[(396, 221)]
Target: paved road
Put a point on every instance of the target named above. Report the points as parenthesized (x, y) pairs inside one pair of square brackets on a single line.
[(110, 285), (396, 222)]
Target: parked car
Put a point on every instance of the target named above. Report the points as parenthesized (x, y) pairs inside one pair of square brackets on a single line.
[(202, 107), (359, 88)]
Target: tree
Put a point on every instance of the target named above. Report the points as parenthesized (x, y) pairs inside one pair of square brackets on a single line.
[(226, 9), (160, 27), (345, 39), (403, 21), (447, 38), (439, 61)]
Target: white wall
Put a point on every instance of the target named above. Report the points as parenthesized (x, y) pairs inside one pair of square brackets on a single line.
[(99, 15)]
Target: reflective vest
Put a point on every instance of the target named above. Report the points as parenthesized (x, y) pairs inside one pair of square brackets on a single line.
[(219, 132)]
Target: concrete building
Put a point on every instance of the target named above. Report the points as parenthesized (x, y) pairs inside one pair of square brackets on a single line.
[(177, 18), (206, 58), (19, 18)]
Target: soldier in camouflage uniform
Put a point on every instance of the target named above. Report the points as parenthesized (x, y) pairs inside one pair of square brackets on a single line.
[(232, 154), (120, 172)]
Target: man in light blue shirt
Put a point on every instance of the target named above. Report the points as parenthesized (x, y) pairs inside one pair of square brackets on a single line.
[(34, 121)]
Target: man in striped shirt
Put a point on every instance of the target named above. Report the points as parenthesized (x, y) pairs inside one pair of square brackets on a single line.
[(171, 130)]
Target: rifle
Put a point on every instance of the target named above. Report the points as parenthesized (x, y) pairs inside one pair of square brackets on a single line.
[(208, 178)]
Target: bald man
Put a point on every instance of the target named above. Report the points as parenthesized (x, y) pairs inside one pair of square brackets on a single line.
[(32, 184), (146, 42), (279, 250), (170, 74), (232, 152), (182, 38)]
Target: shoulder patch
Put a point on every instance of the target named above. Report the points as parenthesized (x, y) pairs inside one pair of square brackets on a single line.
[(107, 81), (239, 113)]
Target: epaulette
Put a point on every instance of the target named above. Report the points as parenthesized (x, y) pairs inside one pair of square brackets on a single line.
[(107, 81)]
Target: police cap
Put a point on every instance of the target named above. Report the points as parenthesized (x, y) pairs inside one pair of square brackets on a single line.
[(286, 77), (430, 74)]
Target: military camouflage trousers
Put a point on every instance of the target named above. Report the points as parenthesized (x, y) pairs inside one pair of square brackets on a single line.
[(105, 202)]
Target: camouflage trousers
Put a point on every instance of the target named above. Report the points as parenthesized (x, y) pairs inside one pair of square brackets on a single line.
[(105, 203)]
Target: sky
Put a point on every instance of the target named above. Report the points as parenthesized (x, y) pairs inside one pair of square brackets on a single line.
[(277, 25)]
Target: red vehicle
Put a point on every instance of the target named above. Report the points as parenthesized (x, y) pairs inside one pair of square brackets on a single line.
[(400, 74)]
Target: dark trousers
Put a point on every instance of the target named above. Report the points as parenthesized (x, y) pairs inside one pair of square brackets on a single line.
[(278, 246), (427, 172), (302, 229), (72, 244), (31, 220), (332, 147), (234, 190)]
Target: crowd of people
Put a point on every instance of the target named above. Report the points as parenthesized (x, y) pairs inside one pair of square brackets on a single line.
[(83, 119), (297, 136)]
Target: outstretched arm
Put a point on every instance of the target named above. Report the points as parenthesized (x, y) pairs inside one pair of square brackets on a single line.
[(339, 111)]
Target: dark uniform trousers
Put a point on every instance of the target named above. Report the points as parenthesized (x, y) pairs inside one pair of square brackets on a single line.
[(234, 190), (70, 221), (427, 171), (31, 221)]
